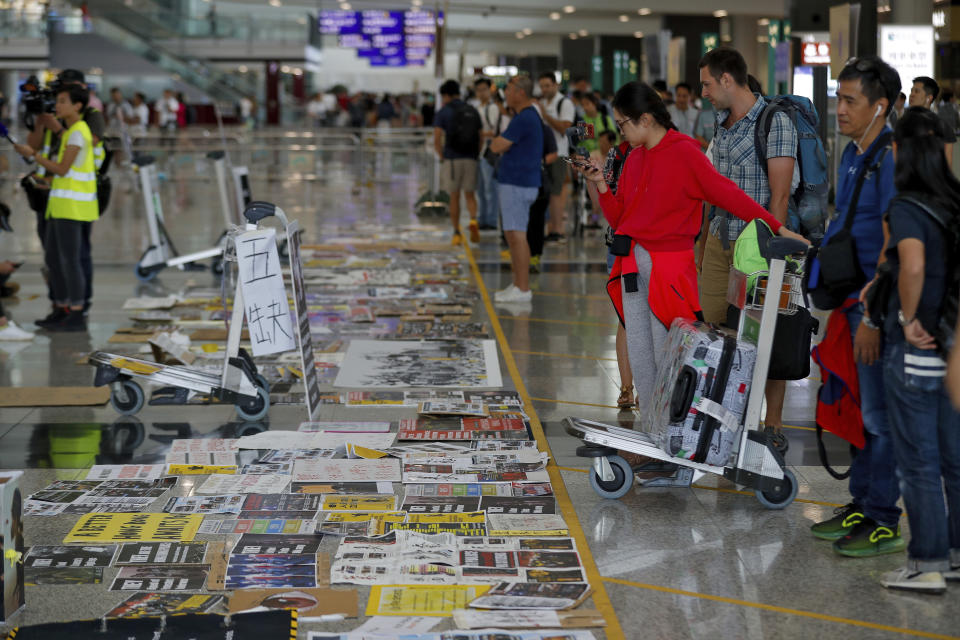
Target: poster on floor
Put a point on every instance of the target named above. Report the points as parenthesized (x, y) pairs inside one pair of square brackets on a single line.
[(401, 364)]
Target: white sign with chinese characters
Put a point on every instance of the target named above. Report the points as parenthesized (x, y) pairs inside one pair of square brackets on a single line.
[(264, 295), (909, 50)]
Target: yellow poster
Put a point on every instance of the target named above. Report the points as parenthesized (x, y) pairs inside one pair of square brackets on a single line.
[(356, 451), (359, 503), (474, 517), (421, 600), (200, 469), (134, 527), (366, 516)]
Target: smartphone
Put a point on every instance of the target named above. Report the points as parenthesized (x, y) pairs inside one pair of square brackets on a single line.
[(578, 162), (17, 265)]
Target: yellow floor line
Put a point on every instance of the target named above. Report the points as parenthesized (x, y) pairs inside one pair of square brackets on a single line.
[(580, 404), (563, 355), (600, 598), (774, 608), (553, 321)]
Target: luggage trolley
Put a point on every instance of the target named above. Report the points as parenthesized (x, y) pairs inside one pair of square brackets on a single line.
[(239, 383), (162, 253), (753, 461)]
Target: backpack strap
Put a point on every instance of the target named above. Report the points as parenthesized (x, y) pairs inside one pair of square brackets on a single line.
[(880, 149)]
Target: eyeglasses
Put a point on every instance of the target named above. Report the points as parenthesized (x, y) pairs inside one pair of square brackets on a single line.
[(620, 123), (862, 65)]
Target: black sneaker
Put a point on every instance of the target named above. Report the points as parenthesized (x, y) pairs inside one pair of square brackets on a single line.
[(73, 322), (54, 317), (552, 237)]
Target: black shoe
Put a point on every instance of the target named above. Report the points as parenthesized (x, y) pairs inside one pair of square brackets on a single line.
[(73, 322), (488, 227), (86, 307), (54, 317), (552, 237), (9, 290)]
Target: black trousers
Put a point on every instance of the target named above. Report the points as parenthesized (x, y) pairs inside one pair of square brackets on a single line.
[(86, 262), (63, 255)]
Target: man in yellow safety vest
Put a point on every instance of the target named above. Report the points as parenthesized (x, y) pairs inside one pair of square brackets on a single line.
[(72, 205)]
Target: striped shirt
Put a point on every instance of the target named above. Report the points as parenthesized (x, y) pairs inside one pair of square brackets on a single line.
[(735, 157)]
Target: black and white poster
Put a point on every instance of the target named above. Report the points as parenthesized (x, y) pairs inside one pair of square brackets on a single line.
[(437, 363)]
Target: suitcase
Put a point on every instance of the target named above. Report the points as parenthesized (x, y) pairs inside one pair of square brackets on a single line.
[(701, 392)]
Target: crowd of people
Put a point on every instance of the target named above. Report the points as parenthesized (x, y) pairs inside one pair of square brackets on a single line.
[(656, 158)]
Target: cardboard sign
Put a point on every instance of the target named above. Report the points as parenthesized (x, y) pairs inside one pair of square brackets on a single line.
[(264, 295), (134, 527), (11, 538), (310, 382)]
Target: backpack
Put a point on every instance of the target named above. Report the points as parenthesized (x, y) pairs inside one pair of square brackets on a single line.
[(464, 136), (808, 204)]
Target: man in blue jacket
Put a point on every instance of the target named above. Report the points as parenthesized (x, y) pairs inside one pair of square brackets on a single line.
[(870, 524)]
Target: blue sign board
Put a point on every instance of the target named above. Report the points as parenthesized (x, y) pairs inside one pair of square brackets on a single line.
[(385, 38)]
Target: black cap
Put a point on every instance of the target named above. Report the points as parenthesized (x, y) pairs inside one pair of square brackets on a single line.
[(71, 75)]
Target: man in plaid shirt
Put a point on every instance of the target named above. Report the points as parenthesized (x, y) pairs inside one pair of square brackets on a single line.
[(723, 73)]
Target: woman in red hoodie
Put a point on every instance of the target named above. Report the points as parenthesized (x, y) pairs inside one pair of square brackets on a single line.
[(658, 207)]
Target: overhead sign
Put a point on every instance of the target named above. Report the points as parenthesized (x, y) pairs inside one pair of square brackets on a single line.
[(814, 53), (909, 50), (384, 38)]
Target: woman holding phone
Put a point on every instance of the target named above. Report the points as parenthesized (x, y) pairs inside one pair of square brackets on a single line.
[(656, 214)]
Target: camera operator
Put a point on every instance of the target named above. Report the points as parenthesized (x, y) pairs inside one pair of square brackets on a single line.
[(44, 136), (71, 209)]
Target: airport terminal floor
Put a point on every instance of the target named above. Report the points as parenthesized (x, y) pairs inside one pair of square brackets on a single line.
[(699, 562)]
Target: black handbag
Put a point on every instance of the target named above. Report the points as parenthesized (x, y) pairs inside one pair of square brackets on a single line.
[(792, 339), (840, 272)]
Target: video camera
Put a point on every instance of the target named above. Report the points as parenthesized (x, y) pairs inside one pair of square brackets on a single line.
[(576, 135), (38, 99)]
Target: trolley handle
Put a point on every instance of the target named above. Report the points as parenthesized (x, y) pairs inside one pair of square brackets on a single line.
[(779, 248), (257, 211)]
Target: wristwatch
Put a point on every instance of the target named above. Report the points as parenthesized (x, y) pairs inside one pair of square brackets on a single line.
[(902, 319)]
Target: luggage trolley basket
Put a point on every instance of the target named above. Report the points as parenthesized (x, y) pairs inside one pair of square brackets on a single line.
[(238, 383), (705, 412)]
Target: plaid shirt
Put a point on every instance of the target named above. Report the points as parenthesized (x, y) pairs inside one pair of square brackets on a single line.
[(735, 157)]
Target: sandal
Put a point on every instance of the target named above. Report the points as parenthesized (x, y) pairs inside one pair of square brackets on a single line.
[(625, 401)]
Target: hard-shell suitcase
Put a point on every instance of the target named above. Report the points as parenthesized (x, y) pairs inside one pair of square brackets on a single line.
[(701, 392)]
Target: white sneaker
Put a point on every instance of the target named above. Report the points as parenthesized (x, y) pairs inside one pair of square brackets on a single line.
[(503, 292), (12, 332), (516, 295), (924, 581)]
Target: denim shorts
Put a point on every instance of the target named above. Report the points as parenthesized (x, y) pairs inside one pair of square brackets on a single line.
[(515, 205), (610, 260)]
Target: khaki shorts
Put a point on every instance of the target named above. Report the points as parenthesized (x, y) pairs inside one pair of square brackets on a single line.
[(714, 275), (458, 174)]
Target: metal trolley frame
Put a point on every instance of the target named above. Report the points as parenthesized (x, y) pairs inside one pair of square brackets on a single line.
[(754, 462), (238, 383)]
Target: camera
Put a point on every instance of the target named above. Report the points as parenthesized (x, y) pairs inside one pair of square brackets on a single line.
[(576, 135), (36, 98)]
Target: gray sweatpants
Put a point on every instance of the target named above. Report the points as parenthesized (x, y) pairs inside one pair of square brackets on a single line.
[(645, 333)]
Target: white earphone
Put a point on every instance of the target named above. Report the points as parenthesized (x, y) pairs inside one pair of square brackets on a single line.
[(879, 109)]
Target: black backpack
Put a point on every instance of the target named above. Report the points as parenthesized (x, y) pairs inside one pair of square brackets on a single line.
[(464, 135)]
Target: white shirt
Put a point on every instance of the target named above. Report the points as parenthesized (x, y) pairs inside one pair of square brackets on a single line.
[(315, 108), (246, 107), (117, 113), (567, 112), (167, 111), (685, 121), (142, 114)]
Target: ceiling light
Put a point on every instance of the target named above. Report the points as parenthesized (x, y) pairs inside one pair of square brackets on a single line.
[(527, 31), (242, 68), (644, 12), (569, 8), (763, 22), (416, 3), (285, 69), (519, 35), (554, 15), (297, 71), (638, 34), (573, 36), (583, 33), (720, 13), (275, 3), (345, 6), (624, 18)]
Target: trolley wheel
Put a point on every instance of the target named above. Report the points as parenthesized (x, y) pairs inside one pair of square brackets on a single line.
[(134, 401), (216, 266), (144, 275), (254, 410), (782, 495), (260, 381), (622, 479)]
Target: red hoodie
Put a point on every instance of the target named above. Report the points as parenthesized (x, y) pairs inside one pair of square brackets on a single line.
[(659, 201)]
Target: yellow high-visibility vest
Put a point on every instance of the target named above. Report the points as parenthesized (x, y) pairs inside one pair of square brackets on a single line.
[(74, 196)]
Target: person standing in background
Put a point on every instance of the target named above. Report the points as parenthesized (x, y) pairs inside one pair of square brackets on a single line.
[(897, 110), (924, 93), (139, 116), (487, 204), (456, 140), (682, 111), (559, 113), (602, 124)]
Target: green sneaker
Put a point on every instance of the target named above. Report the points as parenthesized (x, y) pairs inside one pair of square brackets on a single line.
[(844, 519), (869, 539)]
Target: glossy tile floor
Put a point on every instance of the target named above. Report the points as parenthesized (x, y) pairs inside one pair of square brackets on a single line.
[(704, 562)]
